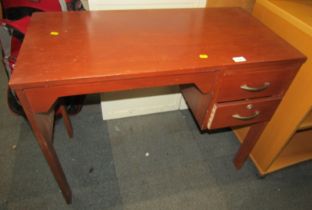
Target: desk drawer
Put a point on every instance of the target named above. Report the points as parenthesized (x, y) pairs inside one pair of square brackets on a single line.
[(246, 112), (236, 85)]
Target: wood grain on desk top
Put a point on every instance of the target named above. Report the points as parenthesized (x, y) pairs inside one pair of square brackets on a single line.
[(111, 44)]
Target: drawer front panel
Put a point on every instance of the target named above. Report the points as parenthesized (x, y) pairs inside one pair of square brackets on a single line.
[(233, 114), (254, 84)]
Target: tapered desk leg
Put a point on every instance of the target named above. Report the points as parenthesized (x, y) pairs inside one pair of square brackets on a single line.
[(42, 126), (248, 144), (67, 121)]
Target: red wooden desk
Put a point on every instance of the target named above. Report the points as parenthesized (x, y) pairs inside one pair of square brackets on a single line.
[(119, 50)]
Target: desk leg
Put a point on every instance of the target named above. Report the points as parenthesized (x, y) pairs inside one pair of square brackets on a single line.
[(42, 126), (248, 144), (67, 121)]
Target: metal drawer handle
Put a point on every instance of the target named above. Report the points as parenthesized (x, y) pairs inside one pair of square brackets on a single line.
[(239, 117), (255, 89)]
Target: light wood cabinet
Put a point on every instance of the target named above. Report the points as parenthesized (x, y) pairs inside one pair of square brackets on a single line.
[(287, 139), (246, 4)]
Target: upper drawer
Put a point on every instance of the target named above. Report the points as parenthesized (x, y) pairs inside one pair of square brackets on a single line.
[(255, 82)]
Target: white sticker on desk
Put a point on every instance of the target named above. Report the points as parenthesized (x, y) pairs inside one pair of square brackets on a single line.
[(239, 59)]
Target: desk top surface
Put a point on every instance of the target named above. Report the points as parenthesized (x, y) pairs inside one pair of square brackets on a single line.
[(89, 46)]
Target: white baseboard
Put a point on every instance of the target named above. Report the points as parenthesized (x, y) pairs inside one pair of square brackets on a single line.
[(141, 102)]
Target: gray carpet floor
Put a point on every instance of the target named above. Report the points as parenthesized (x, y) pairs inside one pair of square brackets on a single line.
[(160, 161)]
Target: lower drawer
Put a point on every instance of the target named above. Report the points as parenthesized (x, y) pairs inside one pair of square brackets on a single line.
[(246, 112)]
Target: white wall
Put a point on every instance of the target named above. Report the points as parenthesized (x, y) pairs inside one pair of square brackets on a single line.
[(85, 4), (144, 4), (144, 101)]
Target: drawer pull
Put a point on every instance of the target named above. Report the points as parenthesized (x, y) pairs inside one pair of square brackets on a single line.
[(255, 89), (239, 117)]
